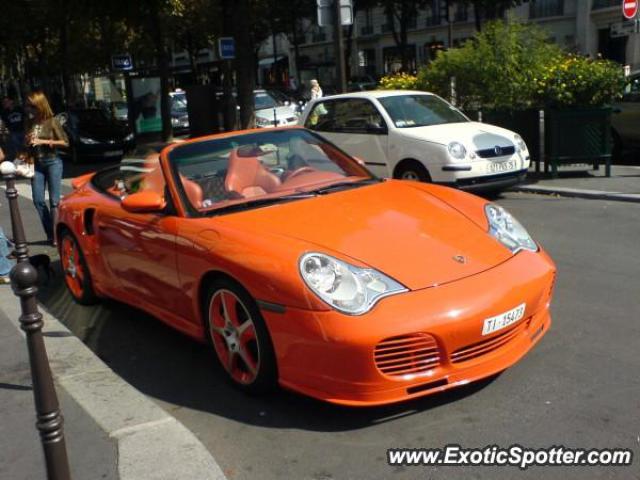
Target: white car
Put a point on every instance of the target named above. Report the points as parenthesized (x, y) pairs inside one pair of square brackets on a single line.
[(272, 112), (419, 136)]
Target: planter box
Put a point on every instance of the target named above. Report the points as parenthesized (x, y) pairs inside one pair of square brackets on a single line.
[(575, 135), (525, 123)]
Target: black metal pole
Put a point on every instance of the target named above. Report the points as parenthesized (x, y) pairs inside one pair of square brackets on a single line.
[(24, 280), (338, 45)]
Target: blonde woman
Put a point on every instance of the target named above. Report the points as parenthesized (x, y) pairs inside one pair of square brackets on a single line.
[(316, 91), (44, 137)]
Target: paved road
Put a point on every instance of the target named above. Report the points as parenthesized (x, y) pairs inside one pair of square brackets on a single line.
[(580, 387)]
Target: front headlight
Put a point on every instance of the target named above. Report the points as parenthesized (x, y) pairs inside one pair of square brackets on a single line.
[(128, 138), (507, 230), (457, 150), (347, 288), (520, 145), (87, 140)]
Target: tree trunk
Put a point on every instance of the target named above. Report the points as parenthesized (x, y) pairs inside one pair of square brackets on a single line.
[(245, 63), (477, 14), (163, 64)]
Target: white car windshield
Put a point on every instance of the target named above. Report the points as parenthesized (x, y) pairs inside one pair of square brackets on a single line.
[(265, 100), (407, 111)]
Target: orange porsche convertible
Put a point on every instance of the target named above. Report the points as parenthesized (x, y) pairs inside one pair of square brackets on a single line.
[(303, 269)]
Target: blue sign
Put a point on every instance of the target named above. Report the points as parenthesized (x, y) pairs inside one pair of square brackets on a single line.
[(226, 48), (122, 62)]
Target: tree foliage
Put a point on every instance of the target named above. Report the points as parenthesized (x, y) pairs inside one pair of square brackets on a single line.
[(495, 69)]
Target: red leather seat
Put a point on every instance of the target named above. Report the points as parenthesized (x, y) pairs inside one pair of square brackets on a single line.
[(247, 177), (193, 191)]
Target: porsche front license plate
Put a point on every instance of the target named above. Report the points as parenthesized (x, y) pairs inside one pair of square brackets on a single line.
[(499, 167), (503, 320)]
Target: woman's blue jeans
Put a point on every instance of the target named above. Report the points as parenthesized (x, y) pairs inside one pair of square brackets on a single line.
[(48, 174), (5, 263)]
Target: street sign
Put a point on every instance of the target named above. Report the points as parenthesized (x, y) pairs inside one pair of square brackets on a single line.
[(622, 29), (325, 12), (122, 62), (629, 8), (226, 48)]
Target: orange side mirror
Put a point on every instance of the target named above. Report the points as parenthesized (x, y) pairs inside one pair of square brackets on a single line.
[(144, 202)]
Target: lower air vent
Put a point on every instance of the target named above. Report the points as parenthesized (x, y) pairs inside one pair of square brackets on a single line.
[(407, 354)]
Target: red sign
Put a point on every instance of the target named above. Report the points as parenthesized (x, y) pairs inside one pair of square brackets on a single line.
[(629, 8)]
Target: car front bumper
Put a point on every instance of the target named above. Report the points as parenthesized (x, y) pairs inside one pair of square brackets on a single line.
[(104, 150), (331, 356)]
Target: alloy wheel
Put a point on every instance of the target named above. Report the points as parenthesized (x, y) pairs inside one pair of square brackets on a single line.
[(234, 336)]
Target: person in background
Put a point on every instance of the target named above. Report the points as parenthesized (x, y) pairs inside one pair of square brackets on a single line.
[(5, 264), (44, 137), (13, 119), (316, 91)]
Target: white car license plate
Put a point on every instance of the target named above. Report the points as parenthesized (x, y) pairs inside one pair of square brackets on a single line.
[(503, 320), (113, 153), (499, 167)]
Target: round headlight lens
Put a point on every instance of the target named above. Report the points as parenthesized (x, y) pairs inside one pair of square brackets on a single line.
[(343, 286), (507, 230), (457, 150)]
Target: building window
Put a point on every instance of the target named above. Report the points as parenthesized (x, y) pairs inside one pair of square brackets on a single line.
[(431, 50), (367, 28), (546, 8), (433, 16), (318, 36), (385, 28), (461, 12), (392, 58)]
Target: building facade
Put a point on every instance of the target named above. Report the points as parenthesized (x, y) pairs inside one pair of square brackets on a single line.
[(585, 26)]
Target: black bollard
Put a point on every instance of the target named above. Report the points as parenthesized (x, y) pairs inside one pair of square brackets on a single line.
[(24, 280)]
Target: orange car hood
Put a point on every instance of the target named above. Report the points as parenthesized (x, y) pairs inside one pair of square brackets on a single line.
[(393, 227)]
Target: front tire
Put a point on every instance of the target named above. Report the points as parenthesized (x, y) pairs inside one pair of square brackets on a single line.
[(412, 170), (76, 272), (240, 337)]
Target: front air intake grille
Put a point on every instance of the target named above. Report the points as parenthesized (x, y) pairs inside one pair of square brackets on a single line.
[(496, 152), (407, 354), (489, 345)]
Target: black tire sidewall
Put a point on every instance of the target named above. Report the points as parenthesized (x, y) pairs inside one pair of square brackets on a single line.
[(415, 167), (266, 379)]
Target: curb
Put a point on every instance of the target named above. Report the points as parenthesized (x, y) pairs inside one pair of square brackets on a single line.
[(151, 444), (577, 193)]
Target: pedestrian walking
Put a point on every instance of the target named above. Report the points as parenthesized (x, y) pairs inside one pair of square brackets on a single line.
[(44, 137), (13, 118), (316, 91), (5, 263)]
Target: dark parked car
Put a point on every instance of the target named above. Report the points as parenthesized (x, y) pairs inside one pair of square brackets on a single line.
[(94, 135)]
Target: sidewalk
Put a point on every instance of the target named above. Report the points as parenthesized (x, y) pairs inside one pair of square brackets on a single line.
[(582, 182), (113, 431)]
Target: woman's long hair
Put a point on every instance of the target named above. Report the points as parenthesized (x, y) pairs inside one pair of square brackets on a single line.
[(41, 108)]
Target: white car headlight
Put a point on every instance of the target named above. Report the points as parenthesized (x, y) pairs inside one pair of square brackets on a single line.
[(347, 288), (520, 145), (507, 230), (128, 138), (87, 140), (457, 150)]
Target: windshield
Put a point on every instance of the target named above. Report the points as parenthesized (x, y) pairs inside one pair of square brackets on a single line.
[(267, 166), (179, 102), (408, 111), (91, 117), (265, 100)]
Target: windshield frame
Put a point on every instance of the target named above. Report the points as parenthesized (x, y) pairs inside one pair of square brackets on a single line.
[(392, 120), (235, 206)]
